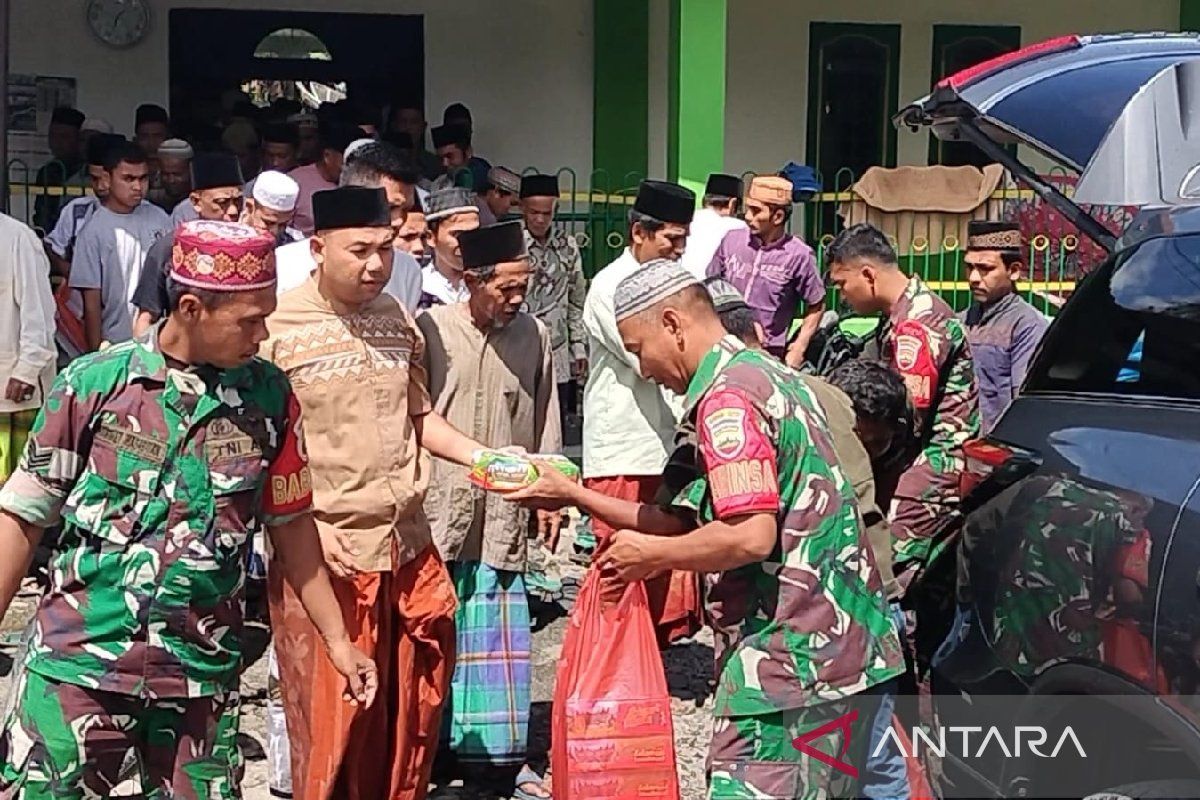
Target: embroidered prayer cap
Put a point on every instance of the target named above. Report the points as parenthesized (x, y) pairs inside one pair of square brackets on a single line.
[(350, 207), (448, 202), (355, 146), (492, 244), (99, 144), (148, 112), (725, 295), (655, 281), (539, 186), (96, 125), (65, 115), (666, 202), (446, 135), (721, 185), (175, 148), (504, 179), (276, 191), (222, 257), (771, 189), (213, 170), (985, 235)]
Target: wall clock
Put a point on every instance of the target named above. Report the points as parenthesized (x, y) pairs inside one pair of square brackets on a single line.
[(119, 23)]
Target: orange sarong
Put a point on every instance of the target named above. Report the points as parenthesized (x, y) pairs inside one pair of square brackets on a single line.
[(674, 596), (405, 620)]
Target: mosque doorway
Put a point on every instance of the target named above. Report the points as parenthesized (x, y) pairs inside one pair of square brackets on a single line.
[(378, 59)]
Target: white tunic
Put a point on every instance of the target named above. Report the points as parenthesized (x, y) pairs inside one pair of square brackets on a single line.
[(628, 424), (704, 237)]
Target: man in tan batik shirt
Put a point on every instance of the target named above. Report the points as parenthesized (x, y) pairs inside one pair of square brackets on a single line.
[(354, 357)]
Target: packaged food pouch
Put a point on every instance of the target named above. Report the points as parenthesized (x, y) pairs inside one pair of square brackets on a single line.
[(611, 729), (499, 471)]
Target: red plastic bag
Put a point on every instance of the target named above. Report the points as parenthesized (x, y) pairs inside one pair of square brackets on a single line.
[(918, 786), (611, 731)]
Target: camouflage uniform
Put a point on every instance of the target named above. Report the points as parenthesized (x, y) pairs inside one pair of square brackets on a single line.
[(157, 474), (556, 294), (1055, 594), (800, 633), (925, 343)]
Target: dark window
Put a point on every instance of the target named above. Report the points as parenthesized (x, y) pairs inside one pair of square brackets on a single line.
[(1133, 327), (955, 48), (852, 91)]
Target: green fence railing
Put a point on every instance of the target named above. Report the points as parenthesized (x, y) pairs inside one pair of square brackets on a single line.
[(595, 212)]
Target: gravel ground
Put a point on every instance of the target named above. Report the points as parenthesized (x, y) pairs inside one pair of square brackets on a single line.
[(688, 666)]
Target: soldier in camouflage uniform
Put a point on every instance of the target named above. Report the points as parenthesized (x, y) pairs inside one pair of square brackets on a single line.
[(925, 343), (161, 456), (802, 629)]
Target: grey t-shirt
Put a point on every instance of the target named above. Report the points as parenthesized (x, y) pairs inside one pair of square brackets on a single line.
[(109, 252), (150, 294)]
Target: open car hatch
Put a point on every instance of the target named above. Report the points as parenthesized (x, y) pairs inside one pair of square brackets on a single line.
[(1120, 110)]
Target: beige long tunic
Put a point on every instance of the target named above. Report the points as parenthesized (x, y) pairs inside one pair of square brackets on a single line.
[(498, 388)]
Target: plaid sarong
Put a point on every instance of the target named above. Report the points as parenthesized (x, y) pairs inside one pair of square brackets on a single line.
[(14, 432), (487, 716)]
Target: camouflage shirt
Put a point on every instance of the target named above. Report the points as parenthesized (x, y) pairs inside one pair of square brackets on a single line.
[(925, 343), (556, 294), (158, 476), (810, 623)]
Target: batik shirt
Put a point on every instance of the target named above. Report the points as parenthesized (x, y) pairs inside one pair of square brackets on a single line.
[(161, 477), (926, 344), (809, 624), (556, 294)]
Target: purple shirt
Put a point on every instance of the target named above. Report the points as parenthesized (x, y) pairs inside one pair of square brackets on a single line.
[(773, 278)]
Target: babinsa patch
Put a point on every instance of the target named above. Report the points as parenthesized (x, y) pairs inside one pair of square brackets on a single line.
[(726, 429)]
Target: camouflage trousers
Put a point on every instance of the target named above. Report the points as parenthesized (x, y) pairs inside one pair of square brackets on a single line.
[(67, 742), (753, 757)]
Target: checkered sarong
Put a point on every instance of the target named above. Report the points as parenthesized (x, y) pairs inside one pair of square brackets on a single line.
[(487, 715)]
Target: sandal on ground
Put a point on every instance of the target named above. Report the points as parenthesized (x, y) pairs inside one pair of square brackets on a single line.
[(527, 776)]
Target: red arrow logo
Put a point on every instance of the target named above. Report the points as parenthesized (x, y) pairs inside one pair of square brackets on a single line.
[(843, 724)]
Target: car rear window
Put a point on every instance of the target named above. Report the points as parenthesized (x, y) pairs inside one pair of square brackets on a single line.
[(1133, 327)]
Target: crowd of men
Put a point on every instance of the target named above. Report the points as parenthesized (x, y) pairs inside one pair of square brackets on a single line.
[(308, 326)]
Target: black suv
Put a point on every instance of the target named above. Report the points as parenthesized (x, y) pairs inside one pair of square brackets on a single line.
[(1076, 571)]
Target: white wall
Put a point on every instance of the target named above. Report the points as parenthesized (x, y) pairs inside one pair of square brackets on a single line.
[(767, 90), (532, 99)]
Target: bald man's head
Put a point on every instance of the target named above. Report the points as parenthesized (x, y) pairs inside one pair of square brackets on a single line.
[(670, 337)]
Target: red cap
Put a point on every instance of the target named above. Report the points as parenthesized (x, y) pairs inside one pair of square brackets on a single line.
[(222, 257)]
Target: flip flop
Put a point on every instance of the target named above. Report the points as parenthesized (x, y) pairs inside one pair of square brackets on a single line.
[(527, 775)]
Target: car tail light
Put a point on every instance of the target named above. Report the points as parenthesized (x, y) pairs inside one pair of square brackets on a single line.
[(982, 457), (1056, 45)]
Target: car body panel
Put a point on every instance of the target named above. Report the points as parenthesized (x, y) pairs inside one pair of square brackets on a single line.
[(1062, 103), (1079, 558), (1150, 153)]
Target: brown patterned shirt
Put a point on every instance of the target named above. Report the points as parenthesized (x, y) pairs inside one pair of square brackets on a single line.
[(360, 381)]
